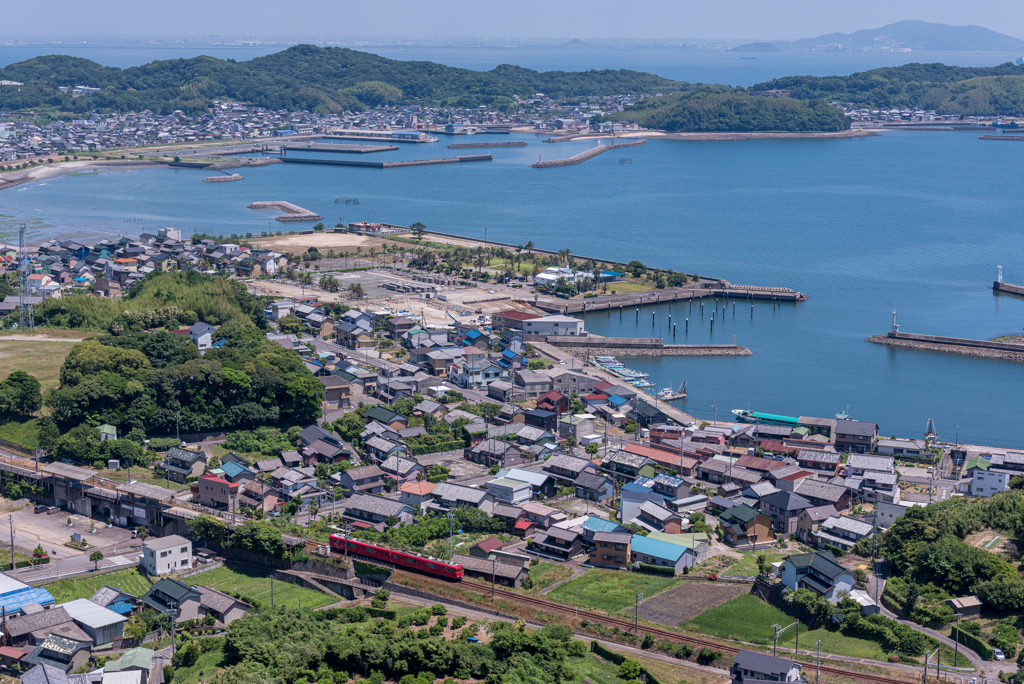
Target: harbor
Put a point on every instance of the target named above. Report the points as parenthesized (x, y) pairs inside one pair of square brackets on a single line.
[(338, 148)]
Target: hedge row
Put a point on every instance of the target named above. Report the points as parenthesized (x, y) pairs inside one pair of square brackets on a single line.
[(617, 658), (666, 570), (25, 563), (974, 643), (382, 613)]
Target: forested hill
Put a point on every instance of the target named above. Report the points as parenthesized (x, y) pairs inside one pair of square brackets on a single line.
[(977, 91), (304, 77)]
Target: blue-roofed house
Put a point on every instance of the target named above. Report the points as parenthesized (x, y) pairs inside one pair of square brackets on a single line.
[(609, 277), (656, 552), (595, 524), (632, 496), (236, 472), (617, 401), (121, 607), (644, 481), (15, 595)]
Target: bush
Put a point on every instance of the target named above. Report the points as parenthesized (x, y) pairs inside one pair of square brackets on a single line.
[(629, 669), (972, 642), (648, 641), (683, 651), (438, 609), (664, 570), (706, 655), (458, 622)]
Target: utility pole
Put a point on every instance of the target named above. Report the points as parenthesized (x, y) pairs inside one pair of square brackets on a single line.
[(451, 531), (11, 520), (775, 640), (271, 592), (177, 426), (173, 614), (817, 674), (636, 619), (874, 561), (956, 647), (494, 575)]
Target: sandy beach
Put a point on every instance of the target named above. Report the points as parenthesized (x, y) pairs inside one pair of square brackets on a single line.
[(11, 179)]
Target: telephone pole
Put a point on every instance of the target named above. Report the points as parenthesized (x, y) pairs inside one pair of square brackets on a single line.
[(636, 619), (956, 647), (11, 520)]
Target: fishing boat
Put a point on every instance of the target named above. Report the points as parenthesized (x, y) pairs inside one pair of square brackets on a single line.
[(764, 418), (668, 394)]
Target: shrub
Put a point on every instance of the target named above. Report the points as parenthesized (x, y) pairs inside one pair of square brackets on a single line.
[(629, 669), (458, 622), (664, 570), (648, 641), (438, 609), (706, 655)]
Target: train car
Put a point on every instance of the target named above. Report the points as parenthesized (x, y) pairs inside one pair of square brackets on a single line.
[(399, 559)]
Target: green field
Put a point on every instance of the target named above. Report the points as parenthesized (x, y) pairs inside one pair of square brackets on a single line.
[(131, 581), (609, 590), (37, 357), (746, 618), (257, 585), (747, 567), (21, 430), (546, 574)]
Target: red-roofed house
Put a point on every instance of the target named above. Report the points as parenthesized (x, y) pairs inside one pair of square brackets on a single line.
[(553, 401), (484, 548), (594, 400), (776, 447), (762, 465), (511, 319), (415, 493), (665, 458), (214, 492), (524, 528), (603, 386)]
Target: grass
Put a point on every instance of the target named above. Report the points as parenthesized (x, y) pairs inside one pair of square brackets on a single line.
[(747, 567), (21, 430), (610, 591), (38, 358), (209, 662), (254, 584), (746, 618), (546, 574), (131, 581), (590, 668)]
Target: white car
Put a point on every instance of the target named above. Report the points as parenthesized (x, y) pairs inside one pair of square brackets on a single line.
[(997, 654)]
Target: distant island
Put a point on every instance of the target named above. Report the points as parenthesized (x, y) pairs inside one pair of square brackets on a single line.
[(334, 80), (913, 35), (758, 47)]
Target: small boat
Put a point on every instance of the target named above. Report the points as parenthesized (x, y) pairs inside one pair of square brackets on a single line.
[(642, 383), (744, 416), (668, 394)]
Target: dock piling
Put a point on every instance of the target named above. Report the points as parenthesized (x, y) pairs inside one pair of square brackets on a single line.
[(687, 328)]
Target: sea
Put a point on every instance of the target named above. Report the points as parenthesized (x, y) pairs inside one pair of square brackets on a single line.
[(912, 222)]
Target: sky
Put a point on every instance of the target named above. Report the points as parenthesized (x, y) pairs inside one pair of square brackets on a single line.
[(658, 19)]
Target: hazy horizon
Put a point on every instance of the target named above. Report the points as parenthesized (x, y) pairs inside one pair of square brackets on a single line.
[(316, 20)]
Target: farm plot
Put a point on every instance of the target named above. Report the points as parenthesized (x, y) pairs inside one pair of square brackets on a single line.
[(688, 600)]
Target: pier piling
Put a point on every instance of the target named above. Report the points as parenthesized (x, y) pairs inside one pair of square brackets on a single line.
[(687, 328)]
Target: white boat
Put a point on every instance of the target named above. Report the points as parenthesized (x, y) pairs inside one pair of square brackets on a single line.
[(668, 394)]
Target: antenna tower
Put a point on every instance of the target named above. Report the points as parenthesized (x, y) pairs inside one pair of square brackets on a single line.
[(25, 315)]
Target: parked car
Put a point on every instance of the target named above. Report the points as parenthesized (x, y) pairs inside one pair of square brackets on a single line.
[(51, 510), (40, 509), (997, 654)]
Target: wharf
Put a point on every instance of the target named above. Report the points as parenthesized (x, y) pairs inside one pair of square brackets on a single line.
[(376, 138), (1009, 288), (341, 148), (711, 290), (386, 165), (952, 345), (584, 156), (466, 146), (295, 213)]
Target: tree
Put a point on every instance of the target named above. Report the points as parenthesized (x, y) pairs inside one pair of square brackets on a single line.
[(1017, 482), (207, 528), (418, 230), (259, 537), (20, 393), (96, 557), (762, 564), (48, 434), (629, 669), (592, 448), (357, 290), (291, 325)]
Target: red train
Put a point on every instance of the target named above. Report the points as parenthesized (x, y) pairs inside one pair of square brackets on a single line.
[(408, 561)]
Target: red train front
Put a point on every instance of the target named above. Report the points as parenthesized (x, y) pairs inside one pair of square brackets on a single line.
[(407, 561)]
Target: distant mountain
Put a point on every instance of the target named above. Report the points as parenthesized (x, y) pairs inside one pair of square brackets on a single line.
[(916, 35), (757, 47)]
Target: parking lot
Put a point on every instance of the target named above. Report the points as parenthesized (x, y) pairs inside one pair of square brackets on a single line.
[(52, 532)]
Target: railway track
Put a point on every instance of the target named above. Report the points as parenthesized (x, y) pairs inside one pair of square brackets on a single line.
[(627, 626)]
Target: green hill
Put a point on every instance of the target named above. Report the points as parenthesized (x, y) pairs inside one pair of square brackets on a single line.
[(758, 47), (304, 77), (977, 91)]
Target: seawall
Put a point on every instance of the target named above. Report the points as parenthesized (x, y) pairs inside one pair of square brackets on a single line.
[(1008, 288), (387, 165), (584, 156), (581, 347), (1002, 137), (223, 179), (952, 345), (466, 146)]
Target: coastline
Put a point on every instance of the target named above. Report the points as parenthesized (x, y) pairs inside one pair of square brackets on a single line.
[(12, 179)]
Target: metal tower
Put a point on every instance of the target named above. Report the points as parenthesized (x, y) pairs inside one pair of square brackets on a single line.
[(25, 314)]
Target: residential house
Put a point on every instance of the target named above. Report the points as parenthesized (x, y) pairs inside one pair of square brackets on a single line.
[(902, 447), (337, 392), (367, 479), (888, 513), (824, 463), (569, 383), (393, 420), (164, 555), (57, 655), (202, 335), (594, 487), (414, 494), (225, 609), (821, 493), (133, 660), (448, 496), (101, 624), (624, 465), (655, 552), (215, 492), (810, 520), (611, 550), (401, 469), (784, 509), (842, 532), (545, 420), (495, 452), (751, 666), (353, 336), (541, 515), (566, 469), (508, 491), (743, 525), (531, 385), (168, 593), (559, 543), (373, 511), (634, 495), (855, 436), (553, 401), (818, 572), (541, 483), (180, 464), (575, 426), (859, 464), (656, 518), (492, 570)]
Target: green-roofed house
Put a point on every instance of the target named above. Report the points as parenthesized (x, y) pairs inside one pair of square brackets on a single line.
[(744, 526), (133, 660), (382, 414), (107, 432), (167, 591)]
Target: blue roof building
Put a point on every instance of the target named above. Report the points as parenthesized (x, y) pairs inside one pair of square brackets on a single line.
[(15, 595), (656, 552)]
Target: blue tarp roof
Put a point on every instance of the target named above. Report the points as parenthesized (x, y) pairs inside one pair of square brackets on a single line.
[(121, 607), (15, 601)]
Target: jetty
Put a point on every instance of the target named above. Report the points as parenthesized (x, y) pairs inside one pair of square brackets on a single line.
[(584, 156), (581, 347), (294, 213), (466, 146), (339, 148), (951, 345), (223, 179), (703, 290), (381, 136), (386, 165), (1001, 137)]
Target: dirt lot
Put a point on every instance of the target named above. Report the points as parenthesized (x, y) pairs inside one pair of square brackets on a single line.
[(348, 242), (53, 532), (996, 542), (687, 600)]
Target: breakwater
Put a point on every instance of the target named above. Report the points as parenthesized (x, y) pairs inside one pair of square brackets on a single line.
[(340, 148), (582, 347), (952, 345), (294, 213), (466, 146), (703, 290), (584, 156), (1001, 137), (1009, 288), (387, 165), (223, 179), (237, 164)]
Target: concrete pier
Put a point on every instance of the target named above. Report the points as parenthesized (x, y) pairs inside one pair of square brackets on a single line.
[(1001, 137), (466, 146), (581, 347), (1009, 288), (295, 213), (340, 148), (723, 289), (223, 179), (386, 165), (584, 156)]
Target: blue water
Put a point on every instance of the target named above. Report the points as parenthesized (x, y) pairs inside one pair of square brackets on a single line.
[(913, 221), (683, 65)]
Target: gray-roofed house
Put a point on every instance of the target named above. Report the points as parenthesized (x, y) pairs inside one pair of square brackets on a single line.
[(180, 464), (375, 510), (101, 624), (818, 572), (540, 482), (494, 452), (623, 464), (559, 543), (590, 485), (566, 468), (401, 469), (856, 436), (842, 532), (507, 574), (822, 493), (751, 666), (820, 462), (810, 520), (60, 653), (656, 518), (44, 673), (225, 609), (784, 510), (448, 495), (169, 591), (20, 630), (858, 464), (759, 490)]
